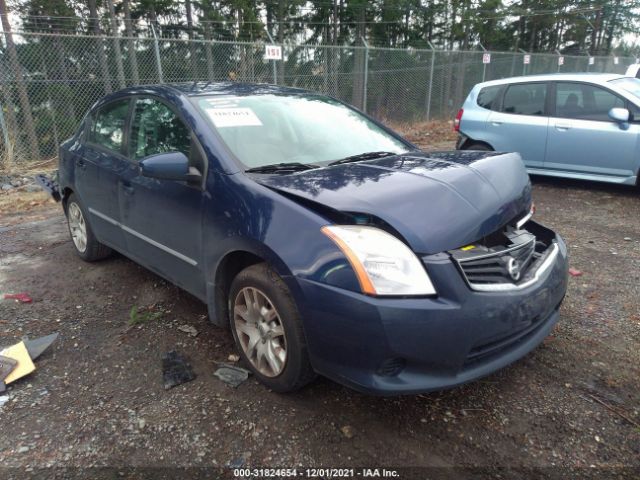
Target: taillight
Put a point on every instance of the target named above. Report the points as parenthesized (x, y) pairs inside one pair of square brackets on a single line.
[(456, 122)]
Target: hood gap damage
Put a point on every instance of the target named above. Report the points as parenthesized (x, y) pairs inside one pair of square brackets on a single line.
[(342, 218)]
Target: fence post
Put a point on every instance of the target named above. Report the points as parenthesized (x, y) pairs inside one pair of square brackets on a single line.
[(484, 65), (524, 65), (5, 131), (23, 96), (157, 52), (433, 63), (366, 75), (273, 62)]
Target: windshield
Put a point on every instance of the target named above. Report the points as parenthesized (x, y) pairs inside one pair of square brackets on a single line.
[(631, 85), (308, 129)]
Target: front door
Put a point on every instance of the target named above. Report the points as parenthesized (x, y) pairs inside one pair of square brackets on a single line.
[(162, 219), (582, 137)]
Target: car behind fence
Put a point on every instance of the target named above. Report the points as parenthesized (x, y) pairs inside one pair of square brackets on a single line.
[(49, 80)]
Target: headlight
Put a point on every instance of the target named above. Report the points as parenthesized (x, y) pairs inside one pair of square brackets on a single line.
[(383, 264)]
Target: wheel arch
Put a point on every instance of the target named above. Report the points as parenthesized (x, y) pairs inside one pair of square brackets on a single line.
[(66, 193), (470, 141), (226, 269)]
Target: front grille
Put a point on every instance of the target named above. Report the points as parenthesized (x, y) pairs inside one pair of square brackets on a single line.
[(508, 265), (508, 259)]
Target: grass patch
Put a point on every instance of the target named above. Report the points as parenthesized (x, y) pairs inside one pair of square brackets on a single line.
[(140, 315)]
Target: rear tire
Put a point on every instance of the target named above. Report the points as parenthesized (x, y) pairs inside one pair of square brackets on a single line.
[(267, 329), (483, 147), (83, 239)]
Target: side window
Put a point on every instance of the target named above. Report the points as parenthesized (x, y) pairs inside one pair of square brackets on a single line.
[(585, 102), (634, 110), (525, 99), (489, 97), (155, 128), (107, 128)]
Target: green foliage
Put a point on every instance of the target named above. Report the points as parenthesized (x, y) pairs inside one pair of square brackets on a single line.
[(139, 316), (66, 70), (580, 26)]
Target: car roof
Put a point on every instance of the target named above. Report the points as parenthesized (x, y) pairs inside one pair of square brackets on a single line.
[(600, 78), (192, 89)]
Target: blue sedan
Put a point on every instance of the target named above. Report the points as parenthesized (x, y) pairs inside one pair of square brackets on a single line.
[(584, 126), (327, 243)]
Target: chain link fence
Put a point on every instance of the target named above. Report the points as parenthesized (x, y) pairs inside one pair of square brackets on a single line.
[(48, 81)]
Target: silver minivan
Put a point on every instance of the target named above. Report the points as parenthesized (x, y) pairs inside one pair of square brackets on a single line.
[(583, 126)]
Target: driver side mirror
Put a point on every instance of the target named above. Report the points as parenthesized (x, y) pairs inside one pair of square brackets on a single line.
[(169, 166), (620, 116)]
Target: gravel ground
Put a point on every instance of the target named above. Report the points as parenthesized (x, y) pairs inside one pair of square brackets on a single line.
[(97, 400)]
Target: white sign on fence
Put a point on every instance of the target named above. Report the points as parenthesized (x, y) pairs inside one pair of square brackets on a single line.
[(592, 60), (486, 58), (527, 59), (616, 60), (560, 60), (272, 52)]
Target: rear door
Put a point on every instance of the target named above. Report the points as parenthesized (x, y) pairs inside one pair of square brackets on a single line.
[(99, 167), (521, 124), (162, 219), (582, 137)]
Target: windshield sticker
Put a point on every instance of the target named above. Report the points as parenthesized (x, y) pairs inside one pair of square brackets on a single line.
[(233, 117), (220, 102)]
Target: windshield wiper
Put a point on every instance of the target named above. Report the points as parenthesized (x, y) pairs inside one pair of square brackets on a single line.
[(281, 167), (362, 156)]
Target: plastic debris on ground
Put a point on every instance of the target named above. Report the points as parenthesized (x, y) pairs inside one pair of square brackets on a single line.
[(175, 370), (24, 367), (16, 361), (6, 366), (37, 346), (574, 272), (20, 297), (231, 375), (3, 399)]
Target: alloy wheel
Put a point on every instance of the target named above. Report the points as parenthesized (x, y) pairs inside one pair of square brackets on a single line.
[(260, 331), (77, 227)]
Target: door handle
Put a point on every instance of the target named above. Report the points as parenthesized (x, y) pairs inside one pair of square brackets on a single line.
[(127, 188), (563, 126), (497, 124), (81, 163)]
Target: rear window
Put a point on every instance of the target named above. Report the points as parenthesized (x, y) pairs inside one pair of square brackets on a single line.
[(525, 99), (108, 125), (489, 97)]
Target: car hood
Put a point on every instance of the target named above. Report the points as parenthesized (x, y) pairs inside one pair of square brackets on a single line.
[(437, 201)]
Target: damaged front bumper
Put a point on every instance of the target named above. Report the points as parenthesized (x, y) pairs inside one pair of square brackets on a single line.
[(411, 345)]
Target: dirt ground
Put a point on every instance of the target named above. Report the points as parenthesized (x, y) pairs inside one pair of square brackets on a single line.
[(570, 408)]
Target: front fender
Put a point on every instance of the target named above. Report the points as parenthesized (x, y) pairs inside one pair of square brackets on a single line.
[(244, 216)]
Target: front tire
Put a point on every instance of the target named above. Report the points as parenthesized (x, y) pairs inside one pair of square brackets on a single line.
[(267, 329), (84, 241)]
